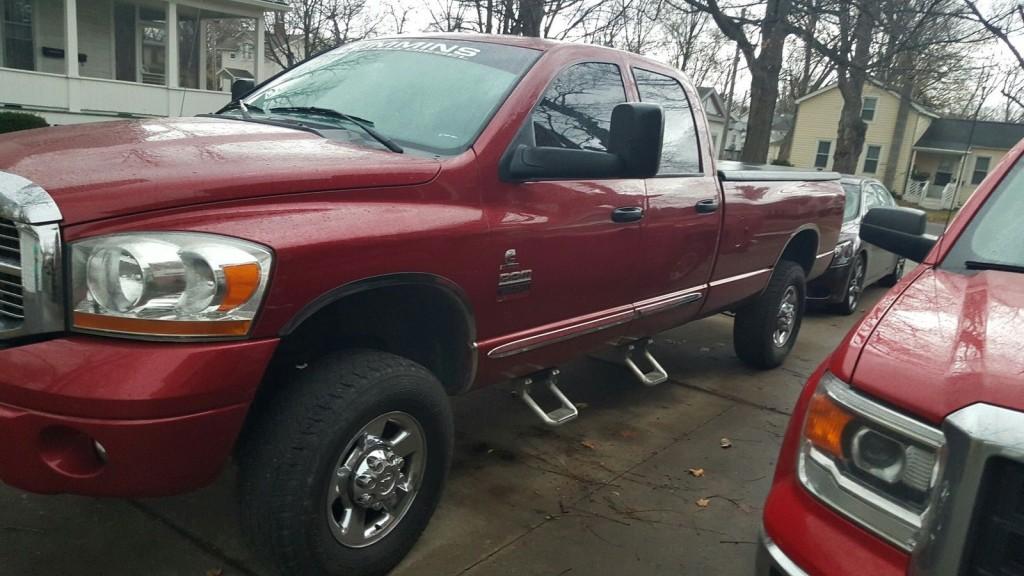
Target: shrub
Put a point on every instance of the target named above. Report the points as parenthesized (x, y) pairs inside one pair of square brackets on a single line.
[(780, 162), (14, 121)]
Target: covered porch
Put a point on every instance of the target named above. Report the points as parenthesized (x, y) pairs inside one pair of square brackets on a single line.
[(934, 182), (134, 57)]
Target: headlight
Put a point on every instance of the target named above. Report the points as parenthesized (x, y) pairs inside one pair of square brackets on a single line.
[(173, 284), (843, 253), (873, 464)]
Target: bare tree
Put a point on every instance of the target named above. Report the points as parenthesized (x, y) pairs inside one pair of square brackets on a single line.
[(764, 59)]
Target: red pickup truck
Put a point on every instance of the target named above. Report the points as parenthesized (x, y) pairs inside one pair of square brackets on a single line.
[(303, 279), (905, 454)]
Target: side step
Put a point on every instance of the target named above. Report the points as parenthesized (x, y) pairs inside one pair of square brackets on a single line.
[(566, 413), (637, 357), (656, 375)]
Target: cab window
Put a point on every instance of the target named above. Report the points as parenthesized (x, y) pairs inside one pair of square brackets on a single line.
[(576, 110), (680, 153)]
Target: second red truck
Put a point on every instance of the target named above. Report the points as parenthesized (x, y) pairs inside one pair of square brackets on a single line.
[(303, 279)]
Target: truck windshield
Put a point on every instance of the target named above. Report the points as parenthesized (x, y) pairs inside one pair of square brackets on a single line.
[(994, 237), (852, 208), (434, 95)]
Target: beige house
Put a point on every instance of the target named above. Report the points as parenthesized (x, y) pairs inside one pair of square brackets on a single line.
[(715, 110), (940, 163)]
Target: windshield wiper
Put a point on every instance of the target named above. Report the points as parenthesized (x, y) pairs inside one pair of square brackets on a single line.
[(978, 265), (243, 107), (365, 125)]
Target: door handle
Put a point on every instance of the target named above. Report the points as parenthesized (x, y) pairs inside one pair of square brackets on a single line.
[(707, 206), (627, 214)]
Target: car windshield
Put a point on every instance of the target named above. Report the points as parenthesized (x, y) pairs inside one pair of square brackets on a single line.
[(852, 208), (431, 94), (994, 237)]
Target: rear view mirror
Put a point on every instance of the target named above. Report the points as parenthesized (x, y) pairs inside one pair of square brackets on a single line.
[(634, 150), (241, 88), (898, 230)]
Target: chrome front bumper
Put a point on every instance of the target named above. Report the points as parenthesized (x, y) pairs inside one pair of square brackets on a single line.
[(772, 561)]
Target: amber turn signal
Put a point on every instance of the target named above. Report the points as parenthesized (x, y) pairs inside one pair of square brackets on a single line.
[(826, 421)]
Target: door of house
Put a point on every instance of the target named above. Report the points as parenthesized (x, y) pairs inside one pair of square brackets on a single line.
[(152, 46)]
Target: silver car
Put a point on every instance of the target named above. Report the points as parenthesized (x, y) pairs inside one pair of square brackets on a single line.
[(856, 264)]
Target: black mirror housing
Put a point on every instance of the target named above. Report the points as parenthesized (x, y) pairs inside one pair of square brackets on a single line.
[(898, 230), (634, 151), (637, 135), (241, 88)]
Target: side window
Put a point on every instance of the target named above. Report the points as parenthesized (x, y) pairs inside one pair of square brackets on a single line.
[(680, 154), (872, 197), (884, 195), (576, 110)]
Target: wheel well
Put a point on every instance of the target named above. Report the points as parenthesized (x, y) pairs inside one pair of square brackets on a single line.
[(802, 249), (426, 323)]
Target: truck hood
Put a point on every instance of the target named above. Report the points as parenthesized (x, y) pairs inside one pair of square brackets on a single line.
[(950, 340), (108, 169)]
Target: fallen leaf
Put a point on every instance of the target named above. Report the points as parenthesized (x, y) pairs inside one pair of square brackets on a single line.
[(703, 502), (705, 349), (628, 434), (725, 443), (696, 472), (588, 444), (215, 572)]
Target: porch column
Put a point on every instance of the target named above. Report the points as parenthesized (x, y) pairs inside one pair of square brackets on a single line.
[(172, 44), (71, 37), (71, 55), (259, 57), (910, 171), (202, 53)]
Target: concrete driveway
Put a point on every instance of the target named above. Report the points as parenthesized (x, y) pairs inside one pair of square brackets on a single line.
[(608, 494)]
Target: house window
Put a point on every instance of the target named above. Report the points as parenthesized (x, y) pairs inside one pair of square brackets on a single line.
[(874, 153), (944, 173), (16, 31), (823, 153), (981, 166), (867, 113)]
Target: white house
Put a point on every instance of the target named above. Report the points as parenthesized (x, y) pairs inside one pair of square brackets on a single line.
[(135, 58)]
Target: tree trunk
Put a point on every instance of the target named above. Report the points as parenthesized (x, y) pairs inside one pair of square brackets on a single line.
[(902, 118), (531, 13), (764, 82), (852, 77)]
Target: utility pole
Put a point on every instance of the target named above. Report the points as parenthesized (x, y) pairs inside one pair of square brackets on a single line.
[(732, 90)]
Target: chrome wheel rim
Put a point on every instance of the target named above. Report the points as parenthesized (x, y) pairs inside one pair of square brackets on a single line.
[(853, 291), (376, 479), (786, 318)]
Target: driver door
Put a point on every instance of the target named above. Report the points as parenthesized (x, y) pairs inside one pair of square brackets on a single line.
[(565, 261)]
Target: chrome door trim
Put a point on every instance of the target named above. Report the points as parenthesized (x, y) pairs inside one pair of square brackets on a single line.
[(739, 277), (670, 300), (562, 334)]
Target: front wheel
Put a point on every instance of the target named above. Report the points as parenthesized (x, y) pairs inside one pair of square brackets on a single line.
[(766, 329), (893, 277), (344, 469), (854, 288)]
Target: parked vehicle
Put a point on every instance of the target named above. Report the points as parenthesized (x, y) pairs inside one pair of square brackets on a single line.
[(857, 265), (304, 278), (905, 452)]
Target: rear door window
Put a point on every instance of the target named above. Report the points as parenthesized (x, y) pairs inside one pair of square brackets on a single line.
[(680, 153), (576, 110)]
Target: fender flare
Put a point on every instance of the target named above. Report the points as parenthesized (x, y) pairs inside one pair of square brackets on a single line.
[(452, 290)]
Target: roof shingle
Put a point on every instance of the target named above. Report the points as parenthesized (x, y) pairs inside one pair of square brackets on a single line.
[(951, 134)]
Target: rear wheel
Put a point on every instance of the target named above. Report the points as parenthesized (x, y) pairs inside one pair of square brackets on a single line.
[(344, 470), (766, 329)]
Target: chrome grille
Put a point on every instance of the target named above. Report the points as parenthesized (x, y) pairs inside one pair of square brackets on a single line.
[(12, 304)]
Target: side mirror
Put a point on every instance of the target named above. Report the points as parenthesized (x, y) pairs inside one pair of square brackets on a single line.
[(634, 150), (241, 88), (898, 230)]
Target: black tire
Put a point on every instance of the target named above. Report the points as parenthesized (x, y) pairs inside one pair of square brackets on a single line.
[(893, 277), (292, 452), (854, 287), (756, 323)]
